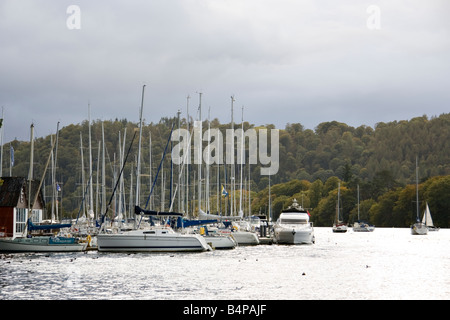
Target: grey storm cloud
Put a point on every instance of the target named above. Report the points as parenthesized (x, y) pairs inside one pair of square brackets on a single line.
[(285, 61)]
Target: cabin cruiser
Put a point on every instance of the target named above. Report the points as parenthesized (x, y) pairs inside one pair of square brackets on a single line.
[(293, 226)]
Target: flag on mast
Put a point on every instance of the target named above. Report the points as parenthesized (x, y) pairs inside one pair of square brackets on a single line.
[(224, 192)]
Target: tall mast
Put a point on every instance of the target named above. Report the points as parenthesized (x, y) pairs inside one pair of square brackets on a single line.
[(241, 213), (417, 189), (54, 171), (200, 154), (97, 184), (232, 160), (103, 172), (91, 190), (138, 169), (82, 175), (30, 173), (358, 200), (179, 168), (188, 157), (207, 164), (339, 197)]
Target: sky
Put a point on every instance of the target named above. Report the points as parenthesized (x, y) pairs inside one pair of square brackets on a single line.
[(284, 61)]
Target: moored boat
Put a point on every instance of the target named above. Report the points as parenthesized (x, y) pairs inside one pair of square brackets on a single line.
[(293, 226), (362, 226), (418, 228), (42, 244), (339, 226), (155, 239)]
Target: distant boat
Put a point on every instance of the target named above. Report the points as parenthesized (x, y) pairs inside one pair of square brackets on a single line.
[(427, 220), (293, 226), (418, 228), (339, 226), (361, 226)]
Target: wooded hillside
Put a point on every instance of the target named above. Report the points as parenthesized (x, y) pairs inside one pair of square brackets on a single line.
[(380, 160)]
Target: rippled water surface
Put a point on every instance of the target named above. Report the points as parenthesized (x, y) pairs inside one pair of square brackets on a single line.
[(384, 264)]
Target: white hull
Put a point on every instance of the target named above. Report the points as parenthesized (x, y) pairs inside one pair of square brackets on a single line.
[(160, 240), (293, 226), (419, 229), (245, 238), (221, 242), (339, 228), (362, 227), (294, 236), (39, 244)]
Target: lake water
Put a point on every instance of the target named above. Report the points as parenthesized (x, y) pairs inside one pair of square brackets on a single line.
[(385, 264)]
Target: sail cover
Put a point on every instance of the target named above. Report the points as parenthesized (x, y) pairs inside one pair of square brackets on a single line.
[(139, 210)]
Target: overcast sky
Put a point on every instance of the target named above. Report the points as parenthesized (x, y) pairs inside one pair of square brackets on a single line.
[(285, 61)]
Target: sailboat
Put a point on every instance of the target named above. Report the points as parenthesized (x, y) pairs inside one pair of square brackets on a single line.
[(155, 238), (418, 228), (361, 226), (339, 226), (427, 220)]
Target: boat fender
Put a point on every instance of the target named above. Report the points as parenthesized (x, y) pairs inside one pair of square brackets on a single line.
[(88, 240)]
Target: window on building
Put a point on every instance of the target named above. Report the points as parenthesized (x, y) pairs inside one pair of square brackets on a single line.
[(21, 219)]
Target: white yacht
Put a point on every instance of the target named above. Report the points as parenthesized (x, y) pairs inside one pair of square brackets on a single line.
[(418, 228), (339, 226), (241, 236), (293, 226), (219, 241), (154, 239), (361, 226)]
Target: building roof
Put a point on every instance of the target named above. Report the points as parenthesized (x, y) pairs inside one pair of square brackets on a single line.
[(11, 188)]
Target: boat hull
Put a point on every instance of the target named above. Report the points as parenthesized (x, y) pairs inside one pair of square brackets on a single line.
[(341, 228), (363, 227), (245, 238), (419, 229), (41, 244), (221, 242), (142, 242), (294, 236)]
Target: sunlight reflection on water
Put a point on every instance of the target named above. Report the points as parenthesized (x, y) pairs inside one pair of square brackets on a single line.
[(385, 264)]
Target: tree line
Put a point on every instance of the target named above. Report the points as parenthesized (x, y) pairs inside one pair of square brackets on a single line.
[(381, 160)]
